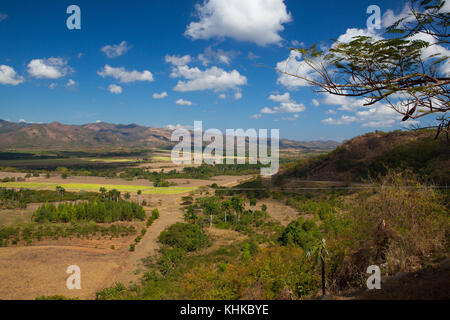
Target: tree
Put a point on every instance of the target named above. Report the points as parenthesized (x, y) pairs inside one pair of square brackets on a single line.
[(319, 252), (61, 191), (103, 191), (139, 192), (238, 205), (392, 70)]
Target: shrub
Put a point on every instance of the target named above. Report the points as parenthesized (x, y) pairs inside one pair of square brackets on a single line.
[(189, 237)]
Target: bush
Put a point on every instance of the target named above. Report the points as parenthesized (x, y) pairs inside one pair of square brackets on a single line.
[(189, 237), (301, 233)]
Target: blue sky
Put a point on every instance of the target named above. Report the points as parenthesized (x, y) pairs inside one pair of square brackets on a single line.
[(226, 79)]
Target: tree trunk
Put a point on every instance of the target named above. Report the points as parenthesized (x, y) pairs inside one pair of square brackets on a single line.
[(323, 276)]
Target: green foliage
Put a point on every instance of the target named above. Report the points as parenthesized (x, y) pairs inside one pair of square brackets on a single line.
[(301, 233), (114, 292), (10, 198), (31, 232), (189, 237), (98, 210), (153, 217)]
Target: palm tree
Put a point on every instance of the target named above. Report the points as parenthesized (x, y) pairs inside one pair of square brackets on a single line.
[(102, 191), (319, 251), (226, 205), (60, 190), (238, 206)]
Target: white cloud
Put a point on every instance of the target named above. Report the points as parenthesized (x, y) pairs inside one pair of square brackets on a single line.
[(237, 95), (182, 102), (52, 86), (351, 33), (315, 102), (113, 88), (51, 68), (342, 120), (178, 126), (22, 121), (213, 78), (287, 105), (125, 76), (178, 61), (297, 43), (220, 56), (70, 83), (98, 121), (294, 66), (280, 97), (3, 16), (9, 76), (256, 116), (116, 50), (252, 56), (330, 111), (161, 95), (258, 21), (222, 96)]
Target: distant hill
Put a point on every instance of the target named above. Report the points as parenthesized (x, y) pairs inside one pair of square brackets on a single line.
[(372, 153), (56, 135)]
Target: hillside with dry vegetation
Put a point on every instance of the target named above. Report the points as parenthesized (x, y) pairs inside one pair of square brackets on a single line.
[(371, 154)]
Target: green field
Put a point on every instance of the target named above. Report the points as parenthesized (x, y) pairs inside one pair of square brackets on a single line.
[(96, 187)]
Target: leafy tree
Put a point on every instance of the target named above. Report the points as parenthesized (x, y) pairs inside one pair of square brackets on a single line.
[(392, 70)]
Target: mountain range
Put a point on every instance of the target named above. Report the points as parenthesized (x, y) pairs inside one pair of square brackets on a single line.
[(56, 135)]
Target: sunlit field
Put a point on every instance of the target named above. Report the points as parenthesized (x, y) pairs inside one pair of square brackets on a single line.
[(96, 187)]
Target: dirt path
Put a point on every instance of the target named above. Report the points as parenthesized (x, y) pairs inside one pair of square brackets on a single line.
[(130, 267)]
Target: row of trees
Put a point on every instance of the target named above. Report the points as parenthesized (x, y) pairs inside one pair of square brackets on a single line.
[(98, 210)]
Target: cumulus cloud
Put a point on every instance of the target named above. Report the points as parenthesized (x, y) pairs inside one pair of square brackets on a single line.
[(256, 116), (237, 95), (287, 105), (51, 68), (178, 60), (114, 88), (258, 21), (125, 76), (213, 78), (9, 76), (52, 85), (280, 97), (161, 95), (222, 96), (116, 50), (182, 102)]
